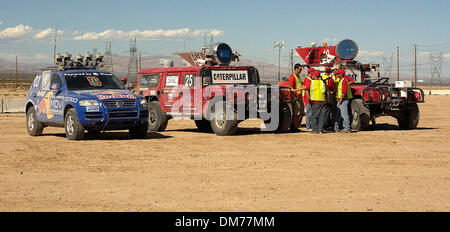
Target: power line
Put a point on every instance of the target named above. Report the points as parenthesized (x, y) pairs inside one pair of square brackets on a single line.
[(436, 67), (133, 62)]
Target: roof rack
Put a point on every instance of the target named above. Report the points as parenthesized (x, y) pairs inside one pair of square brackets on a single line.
[(65, 62)]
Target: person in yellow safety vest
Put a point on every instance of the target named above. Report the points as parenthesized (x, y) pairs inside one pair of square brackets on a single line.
[(306, 101), (343, 96), (316, 90), (297, 104)]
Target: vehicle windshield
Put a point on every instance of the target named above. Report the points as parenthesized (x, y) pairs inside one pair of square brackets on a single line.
[(91, 81)]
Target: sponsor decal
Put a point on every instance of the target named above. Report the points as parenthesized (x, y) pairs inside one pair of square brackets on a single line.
[(44, 106), (230, 77), (172, 80), (87, 74), (152, 92), (103, 97), (92, 108), (70, 99), (94, 81)]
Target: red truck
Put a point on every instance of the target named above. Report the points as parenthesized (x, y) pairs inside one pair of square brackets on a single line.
[(218, 98)]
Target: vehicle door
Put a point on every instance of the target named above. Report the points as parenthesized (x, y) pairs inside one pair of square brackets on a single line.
[(56, 98), (43, 98), (191, 93), (170, 92)]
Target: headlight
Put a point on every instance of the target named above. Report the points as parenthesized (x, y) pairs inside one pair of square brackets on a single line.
[(143, 102), (88, 103)]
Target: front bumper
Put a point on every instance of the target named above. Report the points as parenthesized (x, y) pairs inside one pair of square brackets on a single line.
[(113, 118)]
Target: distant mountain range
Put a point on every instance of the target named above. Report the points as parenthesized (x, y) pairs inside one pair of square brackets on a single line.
[(268, 72), (120, 66)]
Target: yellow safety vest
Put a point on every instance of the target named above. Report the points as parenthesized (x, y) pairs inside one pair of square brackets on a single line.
[(325, 77), (339, 90), (298, 83), (317, 90), (303, 92)]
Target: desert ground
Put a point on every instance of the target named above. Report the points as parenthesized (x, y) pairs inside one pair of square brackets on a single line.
[(181, 169)]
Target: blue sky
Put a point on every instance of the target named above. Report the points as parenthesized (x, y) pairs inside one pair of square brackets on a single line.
[(250, 27)]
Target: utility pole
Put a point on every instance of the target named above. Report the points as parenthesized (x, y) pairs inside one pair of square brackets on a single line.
[(15, 81), (279, 45), (133, 62), (54, 49), (398, 65), (291, 61), (415, 66), (140, 61), (108, 56)]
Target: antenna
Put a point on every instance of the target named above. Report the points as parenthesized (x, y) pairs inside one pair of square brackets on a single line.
[(54, 49)]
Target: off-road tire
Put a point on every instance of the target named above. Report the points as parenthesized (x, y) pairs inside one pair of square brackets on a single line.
[(157, 120), (409, 117), (203, 125), (359, 115), (74, 129), (139, 132), (34, 127), (219, 125)]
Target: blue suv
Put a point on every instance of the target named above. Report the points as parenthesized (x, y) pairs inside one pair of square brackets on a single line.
[(80, 99)]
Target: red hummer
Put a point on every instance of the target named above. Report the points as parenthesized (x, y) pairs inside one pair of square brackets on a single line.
[(217, 96)]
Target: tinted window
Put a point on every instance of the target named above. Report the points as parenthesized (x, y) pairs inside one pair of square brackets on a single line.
[(149, 80), (55, 81), (88, 81)]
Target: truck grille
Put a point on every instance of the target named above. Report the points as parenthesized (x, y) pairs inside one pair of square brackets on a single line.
[(119, 103), (121, 113)]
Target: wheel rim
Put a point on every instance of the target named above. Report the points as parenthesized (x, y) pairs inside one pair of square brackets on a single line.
[(355, 116), (31, 122), (152, 118), (220, 120), (69, 125)]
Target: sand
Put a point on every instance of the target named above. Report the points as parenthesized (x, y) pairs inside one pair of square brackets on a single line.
[(181, 169)]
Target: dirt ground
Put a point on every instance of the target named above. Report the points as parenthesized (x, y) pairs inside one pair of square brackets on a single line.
[(384, 169)]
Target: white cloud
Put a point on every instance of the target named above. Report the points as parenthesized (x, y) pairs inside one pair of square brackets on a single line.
[(118, 35), (1, 22), (365, 53), (328, 40), (16, 32), (43, 34)]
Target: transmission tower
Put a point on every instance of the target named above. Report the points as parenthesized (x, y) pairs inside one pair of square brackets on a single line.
[(133, 63), (388, 63), (108, 56), (436, 67)]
